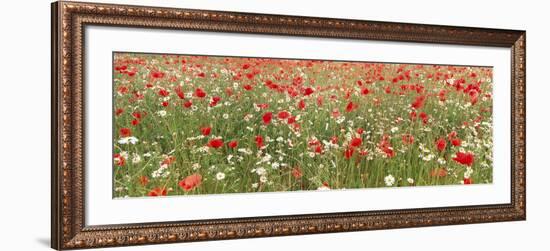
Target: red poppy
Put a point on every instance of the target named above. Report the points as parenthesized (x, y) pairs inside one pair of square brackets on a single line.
[(259, 141), (385, 146), (188, 104), (418, 102), (302, 105), (360, 130), (179, 92), (190, 182), (122, 89), (350, 107), (468, 181), (206, 130), (247, 87), (412, 115), (135, 122), (215, 100), (137, 115), (163, 92), (232, 144), (456, 142), (267, 117), (452, 135), (158, 191), (157, 74), (308, 91), (291, 120), (441, 144), (202, 75), (283, 115), (119, 111), (215, 143), (168, 160), (407, 139), (319, 149), (200, 93), (125, 132), (348, 153), (119, 159), (356, 142), (365, 91), (297, 172), (424, 117), (165, 103), (464, 158), (143, 180)]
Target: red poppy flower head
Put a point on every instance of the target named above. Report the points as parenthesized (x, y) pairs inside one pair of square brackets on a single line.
[(119, 159), (259, 141), (407, 139), (158, 191), (308, 91), (348, 153), (215, 143), (168, 160), (179, 92), (143, 180), (283, 115), (302, 105), (267, 117), (464, 158), (418, 102), (356, 142), (456, 142), (232, 144), (125, 132), (190, 182), (441, 144), (468, 181), (157, 74), (200, 93), (163, 92), (206, 130), (291, 120), (351, 106), (452, 135), (297, 172), (188, 104)]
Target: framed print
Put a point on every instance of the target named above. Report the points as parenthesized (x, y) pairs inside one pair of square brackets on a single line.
[(177, 125)]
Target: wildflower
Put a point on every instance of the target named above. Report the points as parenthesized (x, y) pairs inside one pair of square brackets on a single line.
[(389, 180), (158, 191), (220, 176), (441, 144), (464, 158), (190, 182)]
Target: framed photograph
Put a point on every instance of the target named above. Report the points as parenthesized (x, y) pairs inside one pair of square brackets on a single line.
[(176, 125)]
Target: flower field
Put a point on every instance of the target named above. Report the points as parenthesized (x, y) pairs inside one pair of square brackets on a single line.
[(186, 125)]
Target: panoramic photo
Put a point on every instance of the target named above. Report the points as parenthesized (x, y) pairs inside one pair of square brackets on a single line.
[(189, 125)]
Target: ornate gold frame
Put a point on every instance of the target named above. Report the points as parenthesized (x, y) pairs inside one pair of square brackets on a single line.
[(68, 228)]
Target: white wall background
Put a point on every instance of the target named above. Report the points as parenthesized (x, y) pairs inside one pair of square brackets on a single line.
[(25, 120)]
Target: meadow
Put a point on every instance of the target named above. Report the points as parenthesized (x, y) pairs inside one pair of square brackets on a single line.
[(186, 125)]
